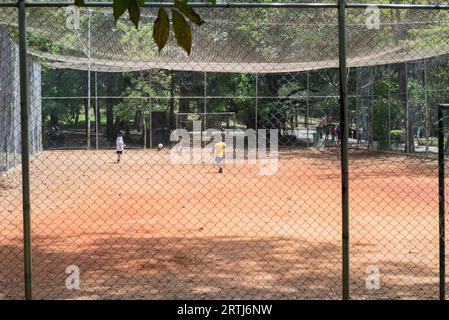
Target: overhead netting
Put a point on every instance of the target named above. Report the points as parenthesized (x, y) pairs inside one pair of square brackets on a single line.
[(256, 40)]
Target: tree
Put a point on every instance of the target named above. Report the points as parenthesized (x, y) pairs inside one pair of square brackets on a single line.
[(60, 84)]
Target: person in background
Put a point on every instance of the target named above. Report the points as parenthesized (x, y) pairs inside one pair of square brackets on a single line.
[(338, 133), (353, 131), (333, 132), (120, 145), (359, 135), (327, 131), (219, 153)]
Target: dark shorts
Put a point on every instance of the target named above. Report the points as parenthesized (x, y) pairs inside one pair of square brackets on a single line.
[(119, 152)]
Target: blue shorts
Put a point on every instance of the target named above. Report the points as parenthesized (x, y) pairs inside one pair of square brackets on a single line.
[(218, 159)]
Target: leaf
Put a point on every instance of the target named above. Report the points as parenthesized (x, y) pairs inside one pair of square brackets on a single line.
[(161, 30), (79, 3), (183, 33), (134, 12), (119, 7), (188, 12), (213, 2)]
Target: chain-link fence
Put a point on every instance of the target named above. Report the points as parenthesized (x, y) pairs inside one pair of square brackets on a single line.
[(122, 207)]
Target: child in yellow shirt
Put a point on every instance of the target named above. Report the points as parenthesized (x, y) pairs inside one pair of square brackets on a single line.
[(219, 151)]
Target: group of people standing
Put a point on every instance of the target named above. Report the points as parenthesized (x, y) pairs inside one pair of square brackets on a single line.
[(356, 132), (330, 131)]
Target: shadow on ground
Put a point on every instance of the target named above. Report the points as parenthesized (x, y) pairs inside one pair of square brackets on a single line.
[(203, 268)]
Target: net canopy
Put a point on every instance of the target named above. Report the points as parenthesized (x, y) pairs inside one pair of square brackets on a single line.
[(253, 40)]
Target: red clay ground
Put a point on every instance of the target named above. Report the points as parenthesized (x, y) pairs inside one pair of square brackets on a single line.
[(151, 229)]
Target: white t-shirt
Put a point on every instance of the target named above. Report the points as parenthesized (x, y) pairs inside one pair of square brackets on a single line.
[(120, 144)]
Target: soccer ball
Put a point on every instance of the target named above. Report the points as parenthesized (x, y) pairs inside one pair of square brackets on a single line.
[(160, 145)]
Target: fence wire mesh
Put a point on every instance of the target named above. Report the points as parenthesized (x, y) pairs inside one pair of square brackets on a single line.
[(148, 223)]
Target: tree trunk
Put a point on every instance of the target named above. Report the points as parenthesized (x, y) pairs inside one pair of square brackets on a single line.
[(403, 97), (98, 118), (54, 119), (87, 118), (171, 112), (183, 103), (110, 108), (77, 117), (138, 120)]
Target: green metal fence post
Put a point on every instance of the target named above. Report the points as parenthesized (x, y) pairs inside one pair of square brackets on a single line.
[(441, 206), (344, 146), (25, 150)]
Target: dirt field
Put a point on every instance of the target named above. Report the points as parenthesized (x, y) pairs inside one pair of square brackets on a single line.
[(150, 229)]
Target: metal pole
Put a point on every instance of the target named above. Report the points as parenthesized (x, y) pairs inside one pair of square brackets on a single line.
[(151, 109), (97, 115), (307, 111), (205, 102), (205, 112), (441, 206), (205, 93), (358, 115), (25, 150), (344, 146), (371, 125), (89, 12), (389, 108), (142, 107), (5, 138), (427, 107), (408, 147), (257, 102), (151, 123), (144, 132)]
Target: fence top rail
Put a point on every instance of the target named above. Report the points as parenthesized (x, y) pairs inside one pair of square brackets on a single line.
[(168, 4), (243, 5), (203, 113)]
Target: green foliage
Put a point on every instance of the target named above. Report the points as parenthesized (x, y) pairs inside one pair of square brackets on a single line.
[(381, 123), (133, 6), (433, 142), (188, 12), (62, 83), (119, 8), (397, 136), (161, 30), (182, 30), (134, 12), (126, 110), (387, 110)]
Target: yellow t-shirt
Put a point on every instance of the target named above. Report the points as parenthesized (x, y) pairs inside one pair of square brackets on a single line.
[(219, 149)]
